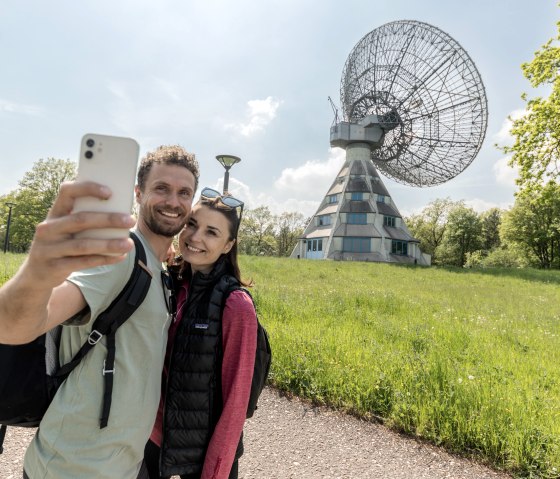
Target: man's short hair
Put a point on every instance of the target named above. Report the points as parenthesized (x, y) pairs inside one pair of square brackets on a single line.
[(168, 155)]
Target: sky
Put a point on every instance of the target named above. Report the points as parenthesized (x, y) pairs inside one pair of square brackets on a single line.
[(250, 78)]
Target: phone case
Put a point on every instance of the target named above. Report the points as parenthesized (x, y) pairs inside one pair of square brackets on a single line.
[(111, 161)]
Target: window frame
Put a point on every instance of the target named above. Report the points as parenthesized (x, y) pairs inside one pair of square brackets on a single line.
[(356, 218), (356, 244), (389, 220), (397, 247), (357, 196)]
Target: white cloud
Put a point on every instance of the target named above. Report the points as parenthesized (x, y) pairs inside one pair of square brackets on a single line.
[(277, 204), (505, 174), (480, 205), (10, 107), (313, 178), (259, 115), (503, 136)]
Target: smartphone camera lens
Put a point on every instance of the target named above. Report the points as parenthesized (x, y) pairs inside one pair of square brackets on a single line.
[(90, 142), (89, 154)]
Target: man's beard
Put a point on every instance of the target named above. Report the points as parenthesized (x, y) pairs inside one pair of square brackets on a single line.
[(156, 227)]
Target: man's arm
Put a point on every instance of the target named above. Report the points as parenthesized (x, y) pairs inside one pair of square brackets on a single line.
[(37, 298)]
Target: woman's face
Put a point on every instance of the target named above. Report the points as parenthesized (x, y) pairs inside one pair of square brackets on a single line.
[(205, 238)]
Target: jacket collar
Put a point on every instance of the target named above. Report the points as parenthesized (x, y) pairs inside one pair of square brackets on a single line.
[(202, 280)]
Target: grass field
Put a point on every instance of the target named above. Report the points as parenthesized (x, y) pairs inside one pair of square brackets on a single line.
[(467, 359), (9, 263)]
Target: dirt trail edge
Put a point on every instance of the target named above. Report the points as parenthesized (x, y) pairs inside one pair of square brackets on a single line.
[(288, 438)]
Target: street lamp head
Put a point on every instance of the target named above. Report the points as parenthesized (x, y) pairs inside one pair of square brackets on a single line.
[(227, 161), (10, 204)]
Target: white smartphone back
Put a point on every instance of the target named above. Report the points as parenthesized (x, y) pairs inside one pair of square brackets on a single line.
[(110, 161)]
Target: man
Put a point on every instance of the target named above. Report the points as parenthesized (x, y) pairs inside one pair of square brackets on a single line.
[(69, 443)]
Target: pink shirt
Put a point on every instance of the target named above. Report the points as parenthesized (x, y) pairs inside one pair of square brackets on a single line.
[(239, 340)]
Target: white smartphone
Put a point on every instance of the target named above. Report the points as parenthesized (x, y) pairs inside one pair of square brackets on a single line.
[(110, 161)]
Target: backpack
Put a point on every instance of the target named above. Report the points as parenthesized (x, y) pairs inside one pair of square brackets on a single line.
[(30, 374), (263, 356)]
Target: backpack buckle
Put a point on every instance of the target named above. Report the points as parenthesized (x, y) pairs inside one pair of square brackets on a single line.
[(94, 337), (108, 371)]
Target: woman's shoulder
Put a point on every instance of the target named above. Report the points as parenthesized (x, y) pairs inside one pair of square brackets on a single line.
[(240, 297), (239, 302)]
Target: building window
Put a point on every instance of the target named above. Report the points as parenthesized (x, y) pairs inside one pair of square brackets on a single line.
[(356, 245), (389, 221), (356, 218), (332, 199), (399, 247), (380, 198), (315, 245), (357, 196), (323, 220)]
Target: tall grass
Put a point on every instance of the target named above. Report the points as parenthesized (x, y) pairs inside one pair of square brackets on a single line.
[(465, 359), (9, 263)]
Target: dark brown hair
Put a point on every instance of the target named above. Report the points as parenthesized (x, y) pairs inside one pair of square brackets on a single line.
[(167, 155)]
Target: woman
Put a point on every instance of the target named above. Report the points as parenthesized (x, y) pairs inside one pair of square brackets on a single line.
[(209, 363)]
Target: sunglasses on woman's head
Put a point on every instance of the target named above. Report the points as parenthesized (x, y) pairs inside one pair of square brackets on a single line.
[(227, 200)]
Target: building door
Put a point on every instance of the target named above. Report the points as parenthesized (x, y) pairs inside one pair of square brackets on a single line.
[(314, 249)]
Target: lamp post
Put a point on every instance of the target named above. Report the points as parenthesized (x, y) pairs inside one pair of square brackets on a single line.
[(227, 161), (7, 238)]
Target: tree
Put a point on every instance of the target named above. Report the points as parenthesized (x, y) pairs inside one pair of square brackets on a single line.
[(491, 220), (34, 197), (429, 226), (534, 224), (463, 235), (536, 146), (256, 234), (289, 227), (509, 256)]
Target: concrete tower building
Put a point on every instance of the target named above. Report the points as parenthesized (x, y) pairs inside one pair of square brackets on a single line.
[(358, 220)]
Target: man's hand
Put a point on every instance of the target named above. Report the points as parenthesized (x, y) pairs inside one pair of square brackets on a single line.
[(27, 305), (55, 252)]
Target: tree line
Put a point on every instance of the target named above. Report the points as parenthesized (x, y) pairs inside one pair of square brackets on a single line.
[(32, 199), (261, 232), (528, 234)]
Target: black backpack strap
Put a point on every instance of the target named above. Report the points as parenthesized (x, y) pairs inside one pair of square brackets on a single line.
[(108, 375), (107, 323), (3, 428), (263, 353), (220, 293)]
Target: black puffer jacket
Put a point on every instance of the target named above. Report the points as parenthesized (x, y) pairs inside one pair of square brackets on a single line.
[(193, 400)]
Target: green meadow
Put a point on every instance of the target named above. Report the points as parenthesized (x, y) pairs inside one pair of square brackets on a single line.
[(9, 263), (465, 359)]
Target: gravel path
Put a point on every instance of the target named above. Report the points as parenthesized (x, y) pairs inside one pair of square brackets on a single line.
[(291, 439)]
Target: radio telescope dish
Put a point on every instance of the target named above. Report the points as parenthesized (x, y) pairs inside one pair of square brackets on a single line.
[(423, 90), (414, 108)]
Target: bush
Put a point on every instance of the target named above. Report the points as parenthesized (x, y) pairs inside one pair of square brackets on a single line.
[(501, 257), (475, 259)]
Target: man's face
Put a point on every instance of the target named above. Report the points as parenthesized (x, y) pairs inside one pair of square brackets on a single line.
[(166, 199)]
